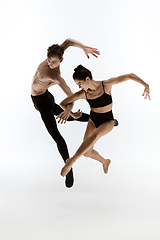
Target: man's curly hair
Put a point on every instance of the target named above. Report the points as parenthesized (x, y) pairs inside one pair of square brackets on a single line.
[(55, 50)]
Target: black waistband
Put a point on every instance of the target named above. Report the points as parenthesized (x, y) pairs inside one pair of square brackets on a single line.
[(109, 112), (41, 95)]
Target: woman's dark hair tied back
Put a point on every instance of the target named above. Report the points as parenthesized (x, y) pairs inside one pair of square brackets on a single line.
[(81, 73), (79, 68)]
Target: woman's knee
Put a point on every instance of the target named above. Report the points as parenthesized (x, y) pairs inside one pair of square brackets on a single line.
[(96, 135)]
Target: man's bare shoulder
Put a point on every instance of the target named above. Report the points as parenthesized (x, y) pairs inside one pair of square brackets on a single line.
[(45, 71), (42, 65)]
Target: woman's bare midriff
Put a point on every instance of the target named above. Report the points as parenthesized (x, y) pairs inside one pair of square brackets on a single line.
[(102, 109)]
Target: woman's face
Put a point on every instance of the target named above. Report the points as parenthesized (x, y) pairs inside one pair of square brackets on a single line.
[(83, 84)]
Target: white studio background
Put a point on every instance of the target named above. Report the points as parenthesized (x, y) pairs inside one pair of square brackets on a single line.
[(34, 203)]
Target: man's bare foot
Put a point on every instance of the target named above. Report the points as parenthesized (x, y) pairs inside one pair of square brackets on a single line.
[(68, 166), (106, 165)]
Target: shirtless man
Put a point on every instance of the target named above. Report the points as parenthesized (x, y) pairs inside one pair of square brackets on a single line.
[(48, 74)]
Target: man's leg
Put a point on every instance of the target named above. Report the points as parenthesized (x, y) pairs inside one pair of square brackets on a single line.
[(50, 123)]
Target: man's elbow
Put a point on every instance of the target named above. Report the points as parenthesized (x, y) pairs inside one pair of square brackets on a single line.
[(69, 41)]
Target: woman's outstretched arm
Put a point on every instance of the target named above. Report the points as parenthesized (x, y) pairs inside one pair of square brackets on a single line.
[(131, 76)]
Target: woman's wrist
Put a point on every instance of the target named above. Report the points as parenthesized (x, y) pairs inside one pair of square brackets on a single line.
[(72, 114)]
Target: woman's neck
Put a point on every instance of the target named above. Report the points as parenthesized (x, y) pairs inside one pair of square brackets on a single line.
[(93, 86)]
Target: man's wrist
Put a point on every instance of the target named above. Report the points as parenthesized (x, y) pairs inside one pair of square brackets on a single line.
[(84, 46)]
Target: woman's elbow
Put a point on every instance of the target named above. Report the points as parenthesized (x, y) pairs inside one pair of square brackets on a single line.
[(131, 75), (62, 105)]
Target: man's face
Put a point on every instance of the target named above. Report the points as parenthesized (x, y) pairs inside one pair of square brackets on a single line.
[(54, 61)]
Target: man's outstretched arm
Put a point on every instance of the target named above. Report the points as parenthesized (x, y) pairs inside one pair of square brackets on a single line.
[(87, 50)]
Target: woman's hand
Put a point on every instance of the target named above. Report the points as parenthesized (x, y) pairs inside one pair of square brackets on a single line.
[(77, 114), (146, 92), (91, 50), (63, 116)]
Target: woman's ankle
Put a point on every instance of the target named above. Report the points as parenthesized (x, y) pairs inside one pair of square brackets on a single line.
[(107, 161)]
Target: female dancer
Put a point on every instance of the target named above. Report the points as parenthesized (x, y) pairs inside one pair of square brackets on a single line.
[(101, 121)]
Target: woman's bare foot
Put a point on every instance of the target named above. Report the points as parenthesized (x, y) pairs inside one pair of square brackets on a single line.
[(68, 166), (106, 165)]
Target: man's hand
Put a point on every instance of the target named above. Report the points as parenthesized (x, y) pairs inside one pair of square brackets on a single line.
[(63, 116), (72, 42), (91, 50), (146, 92)]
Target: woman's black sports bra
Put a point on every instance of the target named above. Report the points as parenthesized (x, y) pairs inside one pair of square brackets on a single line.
[(102, 101)]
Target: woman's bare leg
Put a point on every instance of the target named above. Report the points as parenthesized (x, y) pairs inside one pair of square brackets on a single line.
[(91, 152), (90, 139), (95, 155), (69, 162), (91, 136)]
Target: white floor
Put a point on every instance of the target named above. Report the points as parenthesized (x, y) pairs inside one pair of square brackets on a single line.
[(92, 209)]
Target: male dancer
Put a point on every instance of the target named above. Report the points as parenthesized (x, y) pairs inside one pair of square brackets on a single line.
[(48, 74)]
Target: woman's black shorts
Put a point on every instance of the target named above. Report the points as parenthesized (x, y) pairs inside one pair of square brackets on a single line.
[(99, 118)]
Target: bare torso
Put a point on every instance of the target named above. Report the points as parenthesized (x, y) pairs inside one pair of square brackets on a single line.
[(44, 78)]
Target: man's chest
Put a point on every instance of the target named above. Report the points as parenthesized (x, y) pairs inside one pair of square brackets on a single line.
[(47, 76)]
